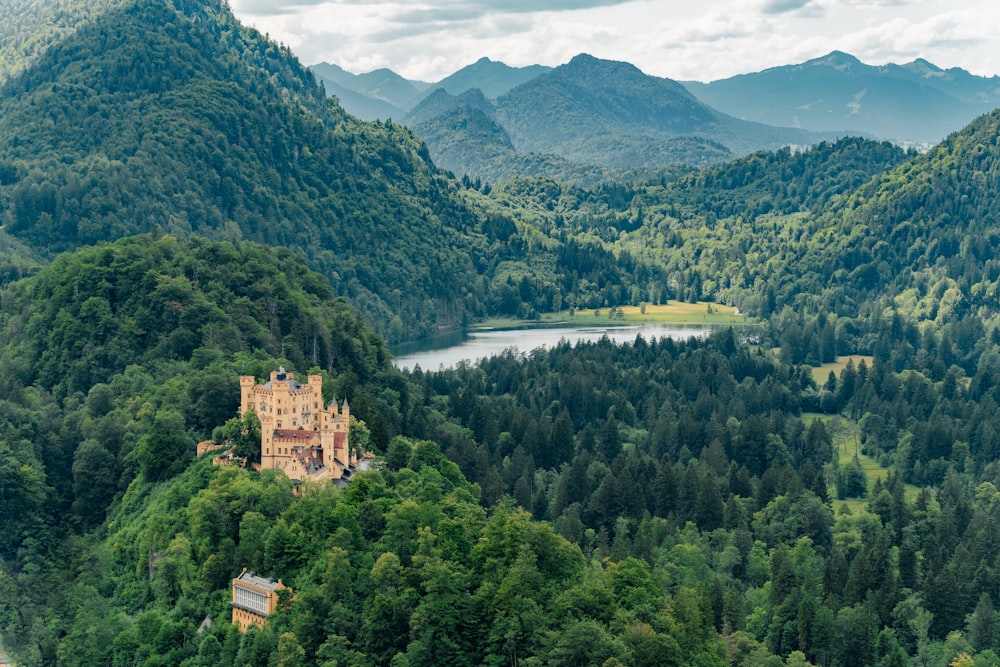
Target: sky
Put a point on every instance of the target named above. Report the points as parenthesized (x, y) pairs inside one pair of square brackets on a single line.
[(702, 40)]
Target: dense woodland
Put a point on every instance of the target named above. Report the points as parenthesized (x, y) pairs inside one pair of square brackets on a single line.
[(643, 503), (666, 502)]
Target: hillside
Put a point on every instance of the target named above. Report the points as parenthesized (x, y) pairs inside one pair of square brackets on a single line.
[(467, 141), (116, 359), (929, 229), (187, 122), (916, 102), (28, 28)]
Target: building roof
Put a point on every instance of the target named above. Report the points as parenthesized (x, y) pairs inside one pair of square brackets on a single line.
[(259, 582), (283, 376), (292, 384), (310, 460), (294, 434)]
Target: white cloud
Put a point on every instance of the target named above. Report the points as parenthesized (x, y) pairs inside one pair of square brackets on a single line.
[(709, 39)]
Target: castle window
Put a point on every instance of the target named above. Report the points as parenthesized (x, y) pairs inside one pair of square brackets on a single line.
[(279, 423), (252, 600)]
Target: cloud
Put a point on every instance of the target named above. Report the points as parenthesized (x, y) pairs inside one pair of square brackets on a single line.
[(434, 10), (784, 6), (273, 7), (704, 40)]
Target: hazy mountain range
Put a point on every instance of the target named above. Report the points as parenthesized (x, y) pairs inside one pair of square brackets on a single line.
[(592, 118), (916, 102)]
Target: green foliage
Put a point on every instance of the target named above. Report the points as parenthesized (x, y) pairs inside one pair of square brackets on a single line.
[(187, 122), (687, 493), (243, 433)]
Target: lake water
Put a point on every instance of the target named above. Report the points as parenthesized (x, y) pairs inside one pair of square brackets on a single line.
[(447, 350)]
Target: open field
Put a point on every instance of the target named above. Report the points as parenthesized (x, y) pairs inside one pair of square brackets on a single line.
[(821, 373), (675, 312)]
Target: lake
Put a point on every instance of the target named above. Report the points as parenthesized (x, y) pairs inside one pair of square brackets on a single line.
[(448, 349)]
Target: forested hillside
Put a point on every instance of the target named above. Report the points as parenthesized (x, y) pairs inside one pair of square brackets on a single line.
[(738, 233), (105, 346), (186, 122)]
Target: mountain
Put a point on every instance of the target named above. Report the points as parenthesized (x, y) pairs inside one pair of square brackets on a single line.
[(440, 102), (358, 104), (917, 102), (377, 95), (382, 94), (605, 114), (332, 73), (491, 77), (187, 122), (954, 81), (384, 84), (338, 82)]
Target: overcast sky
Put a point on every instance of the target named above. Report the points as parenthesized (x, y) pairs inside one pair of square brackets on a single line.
[(688, 39)]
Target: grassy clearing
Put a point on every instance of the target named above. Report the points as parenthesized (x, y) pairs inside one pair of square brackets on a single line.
[(847, 444), (821, 373), (676, 312)]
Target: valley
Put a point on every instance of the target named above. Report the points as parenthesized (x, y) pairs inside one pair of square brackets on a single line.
[(810, 480)]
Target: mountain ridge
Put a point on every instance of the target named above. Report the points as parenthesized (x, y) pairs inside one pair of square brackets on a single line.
[(917, 102), (604, 114)]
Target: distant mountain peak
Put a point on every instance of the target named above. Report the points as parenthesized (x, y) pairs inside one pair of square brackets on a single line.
[(494, 78), (587, 64), (589, 60), (837, 60), (926, 64), (916, 102)]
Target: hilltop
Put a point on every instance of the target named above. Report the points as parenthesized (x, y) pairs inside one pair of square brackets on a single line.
[(187, 122)]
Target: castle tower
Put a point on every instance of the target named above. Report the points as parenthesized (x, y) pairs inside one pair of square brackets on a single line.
[(246, 391)]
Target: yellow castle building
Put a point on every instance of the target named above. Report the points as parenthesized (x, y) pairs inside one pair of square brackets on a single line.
[(254, 599), (299, 434)]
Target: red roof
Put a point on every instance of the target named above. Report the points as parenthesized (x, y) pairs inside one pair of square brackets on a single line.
[(294, 434)]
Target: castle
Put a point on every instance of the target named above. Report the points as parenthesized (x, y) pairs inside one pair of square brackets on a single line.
[(299, 435)]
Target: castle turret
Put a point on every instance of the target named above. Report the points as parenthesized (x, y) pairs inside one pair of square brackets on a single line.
[(247, 383)]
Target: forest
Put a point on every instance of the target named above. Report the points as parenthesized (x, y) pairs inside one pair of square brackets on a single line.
[(823, 492), (665, 502)]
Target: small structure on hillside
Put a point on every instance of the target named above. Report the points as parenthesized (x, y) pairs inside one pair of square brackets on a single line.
[(254, 599), (300, 436)]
